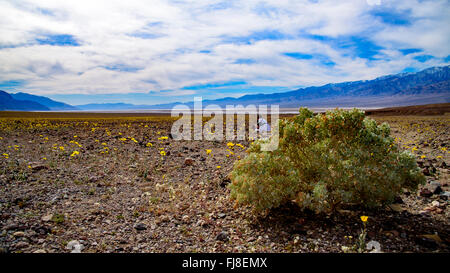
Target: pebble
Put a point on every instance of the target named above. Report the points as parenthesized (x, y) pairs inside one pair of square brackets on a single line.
[(222, 236), (47, 218), (445, 195), (201, 223), (22, 245), (185, 218), (19, 234), (435, 189), (435, 203), (140, 226), (188, 161), (75, 246), (426, 193)]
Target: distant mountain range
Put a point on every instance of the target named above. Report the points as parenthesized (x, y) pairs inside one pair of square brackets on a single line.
[(431, 85), (27, 102), (51, 104), (7, 102)]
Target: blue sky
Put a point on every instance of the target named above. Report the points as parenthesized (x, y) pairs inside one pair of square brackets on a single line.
[(151, 52)]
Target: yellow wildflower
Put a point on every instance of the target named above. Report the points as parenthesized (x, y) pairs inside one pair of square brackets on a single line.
[(364, 218)]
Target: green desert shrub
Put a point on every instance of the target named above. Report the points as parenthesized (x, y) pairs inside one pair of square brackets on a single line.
[(323, 162)]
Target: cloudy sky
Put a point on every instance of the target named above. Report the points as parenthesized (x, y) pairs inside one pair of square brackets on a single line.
[(149, 52)]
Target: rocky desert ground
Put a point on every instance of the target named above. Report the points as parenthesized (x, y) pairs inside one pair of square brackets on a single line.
[(119, 183)]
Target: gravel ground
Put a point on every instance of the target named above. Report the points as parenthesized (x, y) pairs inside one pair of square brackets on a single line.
[(121, 194)]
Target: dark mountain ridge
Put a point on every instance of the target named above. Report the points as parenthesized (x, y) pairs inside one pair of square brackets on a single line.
[(49, 103), (7, 102)]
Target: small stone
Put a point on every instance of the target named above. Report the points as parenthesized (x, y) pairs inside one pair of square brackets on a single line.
[(435, 203), (19, 234), (424, 212), (140, 226), (435, 189), (435, 183), (444, 195), (188, 161), (374, 247), (185, 218), (37, 167), (221, 215), (71, 244), (426, 193), (75, 246), (222, 236), (47, 218), (22, 244), (93, 179), (396, 207), (40, 251)]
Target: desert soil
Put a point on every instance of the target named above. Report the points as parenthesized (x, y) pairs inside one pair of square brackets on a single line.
[(120, 184)]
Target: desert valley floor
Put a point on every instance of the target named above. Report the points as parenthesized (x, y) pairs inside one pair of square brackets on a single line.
[(118, 183)]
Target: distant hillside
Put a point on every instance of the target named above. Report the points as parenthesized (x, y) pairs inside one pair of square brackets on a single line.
[(7, 102), (111, 106), (51, 104), (431, 85)]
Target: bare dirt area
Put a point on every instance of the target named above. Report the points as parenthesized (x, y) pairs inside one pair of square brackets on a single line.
[(103, 183)]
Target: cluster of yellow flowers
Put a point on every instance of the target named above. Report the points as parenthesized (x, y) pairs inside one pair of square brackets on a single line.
[(76, 143)]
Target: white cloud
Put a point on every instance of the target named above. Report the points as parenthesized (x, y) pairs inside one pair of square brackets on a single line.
[(161, 43)]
